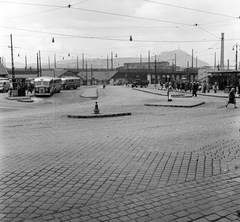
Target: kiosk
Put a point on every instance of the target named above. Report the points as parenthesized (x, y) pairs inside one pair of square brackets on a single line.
[(19, 86)]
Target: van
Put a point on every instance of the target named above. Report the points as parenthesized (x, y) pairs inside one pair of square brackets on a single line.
[(4, 85)]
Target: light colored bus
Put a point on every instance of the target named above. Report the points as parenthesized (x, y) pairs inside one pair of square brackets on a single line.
[(70, 82), (57, 84), (4, 84), (43, 86)]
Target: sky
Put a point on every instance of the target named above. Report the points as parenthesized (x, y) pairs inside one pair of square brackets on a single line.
[(97, 28)]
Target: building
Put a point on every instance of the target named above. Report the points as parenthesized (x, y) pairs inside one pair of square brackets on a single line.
[(3, 71), (225, 79), (156, 72), (147, 66), (95, 77)]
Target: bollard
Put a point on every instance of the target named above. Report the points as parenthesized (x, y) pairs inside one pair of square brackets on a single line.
[(96, 110), (169, 94)]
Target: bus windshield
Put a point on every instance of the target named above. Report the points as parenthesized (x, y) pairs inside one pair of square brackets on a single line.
[(39, 83), (45, 83)]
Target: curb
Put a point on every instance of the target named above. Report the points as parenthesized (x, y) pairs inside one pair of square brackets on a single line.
[(181, 106), (25, 100), (98, 115), (162, 94), (18, 98)]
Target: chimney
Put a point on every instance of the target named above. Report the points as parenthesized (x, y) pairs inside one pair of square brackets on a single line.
[(222, 52)]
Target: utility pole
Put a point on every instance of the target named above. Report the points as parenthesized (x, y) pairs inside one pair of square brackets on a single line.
[(55, 62), (215, 61), (175, 68), (25, 63), (83, 61), (13, 71), (49, 62), (91, 75), (148, 60), (107, 63), (40, 69), (140, 61), (111, 61), (86, 75), (155, 63), (192, 60), (236, 66), (77, 64), (37, 66)]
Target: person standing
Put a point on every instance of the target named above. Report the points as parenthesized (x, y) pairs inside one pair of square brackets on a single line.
[(194, 89), (215, 87), (232, 98)]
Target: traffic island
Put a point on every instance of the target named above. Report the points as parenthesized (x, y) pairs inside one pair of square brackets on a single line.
[(19, 98), (97, 115), (25, 100), (178, 102)]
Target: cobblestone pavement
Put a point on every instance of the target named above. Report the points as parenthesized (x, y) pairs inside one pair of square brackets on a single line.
[(159, 164)]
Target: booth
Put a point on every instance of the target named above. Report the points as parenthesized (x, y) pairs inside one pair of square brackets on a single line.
[(19, 87)]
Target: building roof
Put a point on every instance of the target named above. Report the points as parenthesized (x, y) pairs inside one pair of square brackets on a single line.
[(97, 75), (3, 70), (224, 71), (54, 72)]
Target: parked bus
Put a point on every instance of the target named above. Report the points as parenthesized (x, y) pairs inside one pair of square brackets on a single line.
[(4, 84), (70, 82), (57, 84), (44, 85)]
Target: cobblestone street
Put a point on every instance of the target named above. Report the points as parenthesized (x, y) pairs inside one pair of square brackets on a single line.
[(159, 164)]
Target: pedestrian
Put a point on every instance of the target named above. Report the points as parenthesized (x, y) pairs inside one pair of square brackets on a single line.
[(208, 87), (215, 87), (232, 98), (10, 90), (194, 89)]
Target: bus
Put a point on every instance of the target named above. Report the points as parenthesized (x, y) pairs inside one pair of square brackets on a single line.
[(57, 85), (70, 82), (4, 84), (46, 86)]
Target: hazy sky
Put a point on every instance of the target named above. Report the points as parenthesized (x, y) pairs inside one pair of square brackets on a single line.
[(99, 27)]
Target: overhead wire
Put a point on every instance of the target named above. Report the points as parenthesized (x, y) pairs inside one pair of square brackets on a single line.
[(57, 7), (36, 13), (115, 14), (31, 14), (197, 25), (100, 12), (103, 38), (197, 10)]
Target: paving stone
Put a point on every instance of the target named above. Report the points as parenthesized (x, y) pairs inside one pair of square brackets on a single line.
[(155, 160)]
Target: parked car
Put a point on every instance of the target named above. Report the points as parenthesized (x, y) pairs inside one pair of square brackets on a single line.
[(141, 83)]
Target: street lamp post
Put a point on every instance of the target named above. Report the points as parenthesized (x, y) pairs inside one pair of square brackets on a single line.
[(13, 71), (236, 55), (236, 66), (86, 74)]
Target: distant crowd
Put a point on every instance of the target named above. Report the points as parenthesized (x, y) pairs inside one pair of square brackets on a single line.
[(190, 86)]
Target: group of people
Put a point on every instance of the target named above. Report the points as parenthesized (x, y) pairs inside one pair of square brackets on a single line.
[(204, 87)]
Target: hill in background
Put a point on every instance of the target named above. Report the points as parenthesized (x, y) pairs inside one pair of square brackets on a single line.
[(182, 59)]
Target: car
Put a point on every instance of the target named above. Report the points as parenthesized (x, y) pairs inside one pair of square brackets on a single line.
[(141, 83)]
